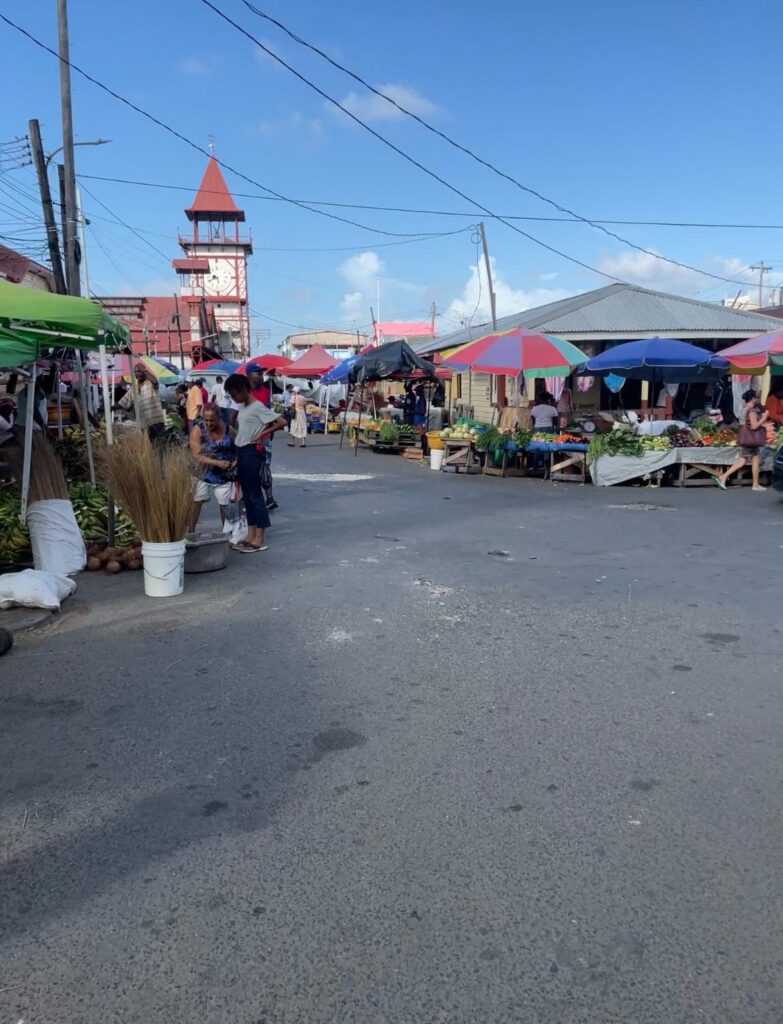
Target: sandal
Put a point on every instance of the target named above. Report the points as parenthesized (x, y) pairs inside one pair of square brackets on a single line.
[(245, 549)]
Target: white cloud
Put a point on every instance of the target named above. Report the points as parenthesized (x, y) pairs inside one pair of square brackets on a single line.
[(263, 59), (650, 272), (370, 107), (474, 303), (361, 273), (293, 125), (199, 67)]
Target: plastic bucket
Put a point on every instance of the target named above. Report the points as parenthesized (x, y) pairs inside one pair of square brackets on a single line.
[(436, 459), (434, 440), (164, 568)]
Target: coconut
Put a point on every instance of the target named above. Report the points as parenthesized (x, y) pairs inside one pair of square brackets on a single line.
[(113, 567), (93, 563)]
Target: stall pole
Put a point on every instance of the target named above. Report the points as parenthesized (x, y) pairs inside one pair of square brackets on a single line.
[(345, 413), (59, 403), (359, 422), (28, 443), (107, 412), (86, 416)]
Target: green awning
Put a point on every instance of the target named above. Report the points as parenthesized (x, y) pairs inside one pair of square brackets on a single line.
[(41, 320)]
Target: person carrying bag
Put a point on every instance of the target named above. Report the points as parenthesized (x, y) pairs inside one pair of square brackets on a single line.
[(751, 441)]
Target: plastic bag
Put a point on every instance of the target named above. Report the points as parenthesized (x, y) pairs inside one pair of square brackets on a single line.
[(32, 588), (239, 530), (55, 537)]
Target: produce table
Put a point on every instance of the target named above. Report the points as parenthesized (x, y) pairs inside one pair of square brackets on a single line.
[(696, 465), (460, 454), (567, 461)]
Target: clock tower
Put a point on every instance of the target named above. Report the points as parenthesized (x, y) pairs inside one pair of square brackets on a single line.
[(213, 272)]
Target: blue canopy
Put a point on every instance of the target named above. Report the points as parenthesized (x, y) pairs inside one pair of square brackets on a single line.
[(657, 359), (339, 374)]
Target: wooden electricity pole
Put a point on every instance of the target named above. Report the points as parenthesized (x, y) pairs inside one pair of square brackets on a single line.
[(70, 240), (52, 240), (489, 276)]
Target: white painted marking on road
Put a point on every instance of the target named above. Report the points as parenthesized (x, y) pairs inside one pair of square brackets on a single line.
[(325, 478), (634, 821), (339, 636)]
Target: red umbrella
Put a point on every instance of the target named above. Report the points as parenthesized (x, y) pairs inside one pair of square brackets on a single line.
[(314, 363), (267, 361), (756, 353)]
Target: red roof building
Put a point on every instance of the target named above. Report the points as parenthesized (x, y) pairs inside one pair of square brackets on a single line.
[(393, 331)]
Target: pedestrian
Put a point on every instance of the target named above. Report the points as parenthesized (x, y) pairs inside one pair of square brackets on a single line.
[(213, 450), (420, 406), (219, 397), (288, 404), (752, 440), (774, 403), (144, 399), (204, 393), (259, 388), (181, 398), (254, 422), (194, 404), (544, 412), (299, 424)]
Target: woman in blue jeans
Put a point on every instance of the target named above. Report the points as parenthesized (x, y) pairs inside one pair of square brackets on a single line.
[(255, 422)]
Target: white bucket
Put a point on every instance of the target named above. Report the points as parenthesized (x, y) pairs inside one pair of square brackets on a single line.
[(436, 458), (164, 568)]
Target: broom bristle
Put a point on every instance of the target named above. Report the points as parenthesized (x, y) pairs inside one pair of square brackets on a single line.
[(155, 490), (47, 478)]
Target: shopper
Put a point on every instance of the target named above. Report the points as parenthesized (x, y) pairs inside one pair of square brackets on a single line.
[(254, 423), (259, 388), (299, 423), (544, 412), (774, 403), (288, 404), (752, 440), (194, 404), (144, 399), (213, 451)]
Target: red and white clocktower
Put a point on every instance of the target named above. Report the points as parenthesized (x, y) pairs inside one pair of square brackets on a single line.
[(213, 272)]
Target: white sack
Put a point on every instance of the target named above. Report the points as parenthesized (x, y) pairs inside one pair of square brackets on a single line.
[(32, 588), (57, 542)]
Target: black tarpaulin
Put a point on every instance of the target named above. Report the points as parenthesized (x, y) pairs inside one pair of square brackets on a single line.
[(394, 359)]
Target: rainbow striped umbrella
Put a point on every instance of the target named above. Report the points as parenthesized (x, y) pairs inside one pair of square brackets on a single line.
[(517, 351), (756, 354)]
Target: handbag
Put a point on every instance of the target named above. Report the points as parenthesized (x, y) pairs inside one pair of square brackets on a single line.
[(748, 437)]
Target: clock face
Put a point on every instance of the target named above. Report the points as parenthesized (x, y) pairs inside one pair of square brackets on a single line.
[(221, 278)]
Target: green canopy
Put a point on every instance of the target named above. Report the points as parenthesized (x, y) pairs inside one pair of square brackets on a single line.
[(33, 320)]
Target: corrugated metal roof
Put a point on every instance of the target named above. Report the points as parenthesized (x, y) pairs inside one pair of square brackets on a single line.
[(624, 311)]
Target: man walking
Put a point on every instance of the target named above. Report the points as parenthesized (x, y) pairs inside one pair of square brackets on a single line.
[(145, 402)]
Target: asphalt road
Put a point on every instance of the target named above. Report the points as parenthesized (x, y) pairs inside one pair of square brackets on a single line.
[(455, 750)]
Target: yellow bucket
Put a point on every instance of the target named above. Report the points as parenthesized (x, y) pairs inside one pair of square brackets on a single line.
[(434, 440)]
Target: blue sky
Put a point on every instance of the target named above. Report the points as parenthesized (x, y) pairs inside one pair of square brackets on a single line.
[(639, 111)]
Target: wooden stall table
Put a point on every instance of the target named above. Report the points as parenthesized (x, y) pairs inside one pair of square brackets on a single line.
[(567, 461), (460, 454), (511, 464)]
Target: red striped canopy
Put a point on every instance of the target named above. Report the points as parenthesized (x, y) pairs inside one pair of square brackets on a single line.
[(757, 352)]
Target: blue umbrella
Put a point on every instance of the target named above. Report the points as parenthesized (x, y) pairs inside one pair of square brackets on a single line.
[(659, 359), (339, 374)]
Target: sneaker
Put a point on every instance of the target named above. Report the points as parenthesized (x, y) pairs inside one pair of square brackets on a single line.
[(720, 483), (271, 505), (758, 487)]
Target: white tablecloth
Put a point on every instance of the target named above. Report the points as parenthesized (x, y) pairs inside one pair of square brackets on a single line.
[(617, 469)]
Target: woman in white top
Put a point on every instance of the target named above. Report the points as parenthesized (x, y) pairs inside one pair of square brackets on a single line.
[(255, 422), (544, 412)]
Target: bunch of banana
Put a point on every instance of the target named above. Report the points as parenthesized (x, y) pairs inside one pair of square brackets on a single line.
[(14, 538), (91, 508)]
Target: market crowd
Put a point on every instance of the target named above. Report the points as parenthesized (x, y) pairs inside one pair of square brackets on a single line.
[(229, 431)]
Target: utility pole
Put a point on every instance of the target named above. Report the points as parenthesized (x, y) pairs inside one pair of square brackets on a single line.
[(762, 268), (34, 132), (432, 320), (81, 223), (179, 334), (70, 242), (483, 234)]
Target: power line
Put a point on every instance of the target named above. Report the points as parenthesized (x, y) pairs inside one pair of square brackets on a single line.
[(446, 138), (401, 152), (447, 213), (189, 142), (120, 221)]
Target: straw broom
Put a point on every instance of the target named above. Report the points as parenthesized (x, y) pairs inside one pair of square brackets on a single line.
[(155, 489), (47, 478)]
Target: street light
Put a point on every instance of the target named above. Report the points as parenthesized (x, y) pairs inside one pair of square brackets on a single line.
[(96, 142)]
